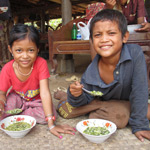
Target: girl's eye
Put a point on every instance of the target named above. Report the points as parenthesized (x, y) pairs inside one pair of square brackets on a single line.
[(31, 50), (18, 50)]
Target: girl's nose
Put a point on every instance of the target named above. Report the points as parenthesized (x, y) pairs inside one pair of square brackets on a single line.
[(25, 55)]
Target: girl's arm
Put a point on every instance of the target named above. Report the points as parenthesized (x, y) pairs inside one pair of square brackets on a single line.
[(2, 102), (47, 106), (46, 99)]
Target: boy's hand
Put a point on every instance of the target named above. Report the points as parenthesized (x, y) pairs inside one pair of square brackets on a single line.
[(141, 135), (76, 89), (66, 129)]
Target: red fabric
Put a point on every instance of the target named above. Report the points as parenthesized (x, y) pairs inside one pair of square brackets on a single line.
[(93, 9), (28, 89), (134, 10)]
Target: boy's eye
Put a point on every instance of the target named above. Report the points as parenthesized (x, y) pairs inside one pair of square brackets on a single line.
[(112, 33), (97, 35)]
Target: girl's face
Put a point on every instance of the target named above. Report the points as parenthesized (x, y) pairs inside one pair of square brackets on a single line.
[(107, 39), (24, 52)]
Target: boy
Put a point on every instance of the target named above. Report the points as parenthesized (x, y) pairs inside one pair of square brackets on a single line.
[(119, 72)]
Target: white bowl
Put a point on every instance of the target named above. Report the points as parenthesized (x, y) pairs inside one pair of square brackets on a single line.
[(17, 118), (131, 28), (82, 125), (4, 9)]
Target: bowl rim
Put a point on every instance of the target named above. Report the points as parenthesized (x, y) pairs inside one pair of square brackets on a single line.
[(114, 130), (130, 25), (20, 121)]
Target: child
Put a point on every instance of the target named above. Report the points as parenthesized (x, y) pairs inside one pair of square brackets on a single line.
[(134, 10), (27, 75), (119, 72)]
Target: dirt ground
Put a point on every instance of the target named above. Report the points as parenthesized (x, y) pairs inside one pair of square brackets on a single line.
[(40, 138)]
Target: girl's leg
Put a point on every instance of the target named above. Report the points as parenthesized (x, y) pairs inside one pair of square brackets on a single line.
[(35, 109)]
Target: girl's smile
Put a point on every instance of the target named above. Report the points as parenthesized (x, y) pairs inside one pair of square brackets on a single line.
[(25, 53)]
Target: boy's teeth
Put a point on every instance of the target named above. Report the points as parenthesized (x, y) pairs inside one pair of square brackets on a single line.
[(105, 46)]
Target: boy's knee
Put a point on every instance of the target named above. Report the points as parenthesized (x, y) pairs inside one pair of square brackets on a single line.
[(117, 112), (65, 110)]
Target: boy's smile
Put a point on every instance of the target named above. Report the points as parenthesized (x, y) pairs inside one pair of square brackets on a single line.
[(107, 39)]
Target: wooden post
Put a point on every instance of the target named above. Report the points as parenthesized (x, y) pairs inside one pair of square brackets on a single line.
[(66, 8), (67, 62), (42, 21)]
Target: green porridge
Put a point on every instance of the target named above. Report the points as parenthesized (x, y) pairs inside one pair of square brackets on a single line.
[(14, 111), (18, 126), (96, 131), (96, 93)]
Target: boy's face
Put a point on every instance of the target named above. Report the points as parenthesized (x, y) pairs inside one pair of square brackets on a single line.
[(107, 39)]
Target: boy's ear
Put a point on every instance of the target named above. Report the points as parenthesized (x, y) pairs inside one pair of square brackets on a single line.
[(126, 37)]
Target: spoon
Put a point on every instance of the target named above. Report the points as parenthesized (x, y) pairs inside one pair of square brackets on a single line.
[(93, 93), (14, 111)]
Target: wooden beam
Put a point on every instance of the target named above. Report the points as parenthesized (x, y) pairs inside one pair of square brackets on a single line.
[(56, 1)]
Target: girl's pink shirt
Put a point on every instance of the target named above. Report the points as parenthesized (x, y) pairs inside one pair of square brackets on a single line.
[(29, 89)]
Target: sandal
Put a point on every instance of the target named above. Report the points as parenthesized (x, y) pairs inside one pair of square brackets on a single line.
[(73, 78), (60, 93), (61, 89)]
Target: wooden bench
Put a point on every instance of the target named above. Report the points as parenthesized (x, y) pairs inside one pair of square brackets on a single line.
[(63, 37), (60, 43)]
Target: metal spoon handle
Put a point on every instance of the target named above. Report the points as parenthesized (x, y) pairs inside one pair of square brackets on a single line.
[(86, 90)]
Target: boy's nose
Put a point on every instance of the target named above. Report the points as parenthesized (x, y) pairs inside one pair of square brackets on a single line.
[(104, 37)]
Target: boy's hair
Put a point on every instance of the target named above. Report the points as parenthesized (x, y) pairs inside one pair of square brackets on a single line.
[(21, 31), (110, 15)]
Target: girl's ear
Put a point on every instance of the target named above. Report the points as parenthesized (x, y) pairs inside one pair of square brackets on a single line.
[(9, 48), (126, 37)]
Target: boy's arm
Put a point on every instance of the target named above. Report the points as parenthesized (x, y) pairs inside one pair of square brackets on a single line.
[(139, 95), (81, 99)]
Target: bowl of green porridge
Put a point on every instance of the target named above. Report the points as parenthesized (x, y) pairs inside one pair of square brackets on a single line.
[(17, 126), (96, 130)]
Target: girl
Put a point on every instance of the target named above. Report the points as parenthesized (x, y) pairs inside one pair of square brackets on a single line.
[(27, 75)]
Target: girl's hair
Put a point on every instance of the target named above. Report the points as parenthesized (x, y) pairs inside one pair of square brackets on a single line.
[(110, 15), (22, 31)]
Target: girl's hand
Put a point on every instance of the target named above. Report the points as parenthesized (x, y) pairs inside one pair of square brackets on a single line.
[(76, 89), (66, 129), (1, 109)]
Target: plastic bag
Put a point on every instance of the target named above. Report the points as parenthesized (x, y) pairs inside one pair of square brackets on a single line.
[(84, 29)]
